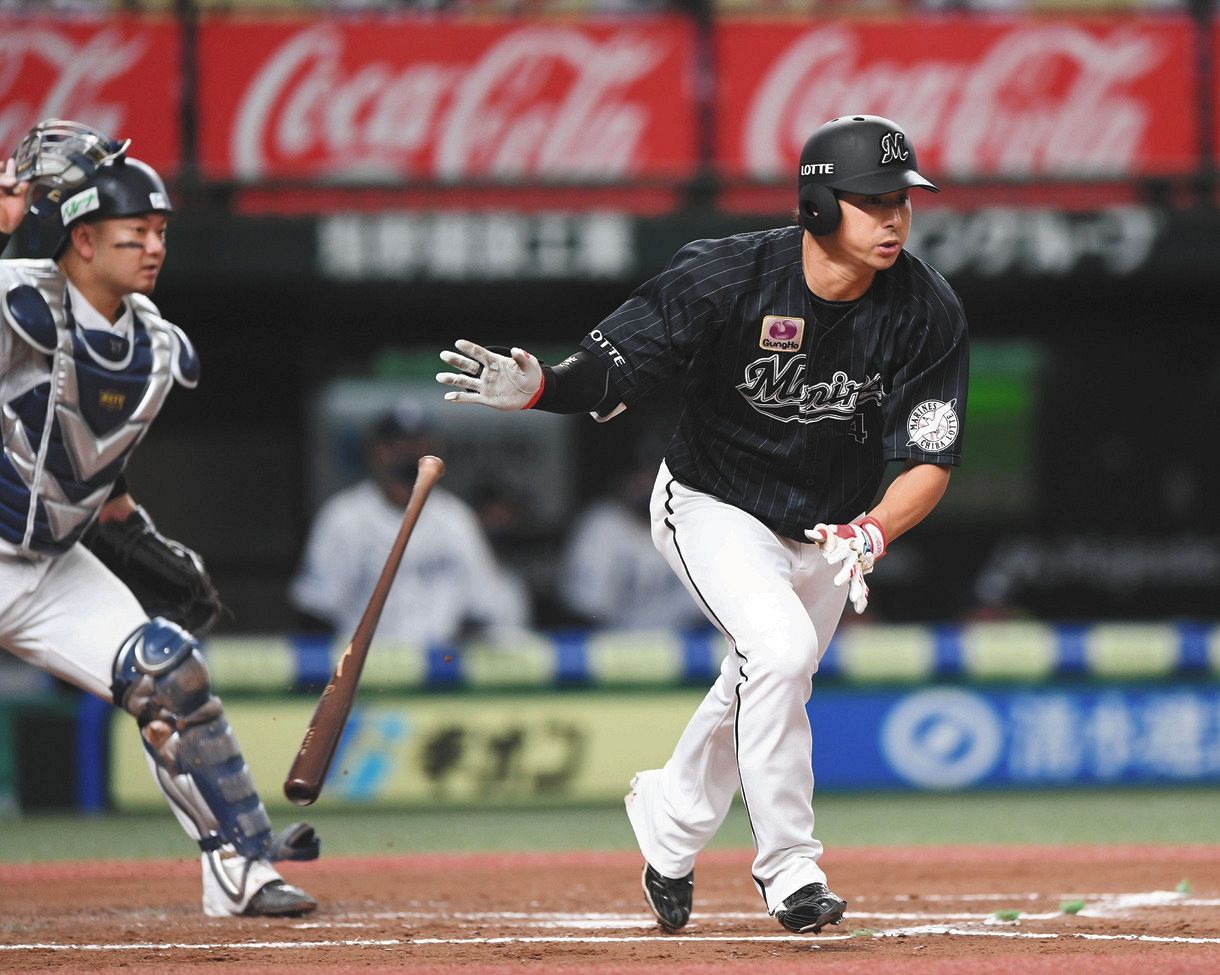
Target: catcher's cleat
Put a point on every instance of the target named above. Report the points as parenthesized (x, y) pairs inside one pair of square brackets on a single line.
[(810, 909), (278, 899), (669, 899), (235, 886)]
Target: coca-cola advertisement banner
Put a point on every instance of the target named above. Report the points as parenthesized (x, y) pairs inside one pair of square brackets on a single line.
[(118, 74), (447, 101), (1070, 98)]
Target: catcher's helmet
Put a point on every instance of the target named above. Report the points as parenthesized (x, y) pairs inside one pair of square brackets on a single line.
[(123, 187), (852, 154)]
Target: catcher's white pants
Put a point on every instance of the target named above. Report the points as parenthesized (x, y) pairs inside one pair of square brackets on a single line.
[(67, 615), (776, 602)]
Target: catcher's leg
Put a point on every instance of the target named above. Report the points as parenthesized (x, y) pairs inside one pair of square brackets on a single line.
[(161, 677)]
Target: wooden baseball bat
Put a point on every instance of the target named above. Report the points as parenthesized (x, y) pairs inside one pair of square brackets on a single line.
[(309, 768)]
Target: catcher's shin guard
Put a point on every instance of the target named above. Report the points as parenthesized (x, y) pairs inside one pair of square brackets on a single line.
[(160, 676)]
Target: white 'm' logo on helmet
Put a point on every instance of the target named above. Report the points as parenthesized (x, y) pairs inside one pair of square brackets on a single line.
[(892, 148)]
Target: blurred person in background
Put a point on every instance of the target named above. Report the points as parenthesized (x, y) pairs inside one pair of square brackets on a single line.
[(86, 362), (450, 584), (807, 357), (611, 574)]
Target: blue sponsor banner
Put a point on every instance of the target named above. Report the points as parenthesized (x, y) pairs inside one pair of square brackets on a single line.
[(952, 737)]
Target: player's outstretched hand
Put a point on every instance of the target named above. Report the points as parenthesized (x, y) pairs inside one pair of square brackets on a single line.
[(12, 198), (855, 548), (490, 379)]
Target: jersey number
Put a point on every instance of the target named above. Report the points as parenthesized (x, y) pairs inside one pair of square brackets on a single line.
[(856, 428)]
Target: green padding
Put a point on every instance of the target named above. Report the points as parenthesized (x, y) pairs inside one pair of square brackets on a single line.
[(885, 653), (652, 657), (251, 663), (1008, 651), (387, 666), (1131, 650), (530, 661), (861, 653)]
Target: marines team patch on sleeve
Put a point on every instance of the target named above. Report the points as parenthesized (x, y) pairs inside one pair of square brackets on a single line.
[(933, 425)]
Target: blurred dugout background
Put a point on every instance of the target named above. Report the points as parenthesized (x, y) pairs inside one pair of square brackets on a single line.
[(358, 183)]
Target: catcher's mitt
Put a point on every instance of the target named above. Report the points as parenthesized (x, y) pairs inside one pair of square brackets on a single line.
[(167, 578)]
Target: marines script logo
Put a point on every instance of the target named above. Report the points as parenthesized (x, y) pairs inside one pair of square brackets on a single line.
[(781, 393), (932, 425)]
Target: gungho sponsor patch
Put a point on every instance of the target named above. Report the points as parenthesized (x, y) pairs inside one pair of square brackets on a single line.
[(781, 333), (933, 425)]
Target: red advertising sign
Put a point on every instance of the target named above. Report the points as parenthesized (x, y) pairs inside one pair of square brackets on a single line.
[(1068, 98), (119, 75), (440, 101)]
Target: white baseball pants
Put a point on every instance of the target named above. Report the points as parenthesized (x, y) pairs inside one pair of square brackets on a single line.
[(67, 615), (776, 602)]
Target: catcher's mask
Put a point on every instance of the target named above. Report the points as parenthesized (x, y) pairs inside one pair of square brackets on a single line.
[(58, 152), (864, 154)]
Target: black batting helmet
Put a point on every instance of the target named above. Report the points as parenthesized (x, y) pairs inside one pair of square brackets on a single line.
[(123, 187), (852, 154)]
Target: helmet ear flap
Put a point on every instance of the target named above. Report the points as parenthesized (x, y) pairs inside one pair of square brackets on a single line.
[(819, 209)]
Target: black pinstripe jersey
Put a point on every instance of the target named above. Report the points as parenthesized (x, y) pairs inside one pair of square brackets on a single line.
[(792, 405)]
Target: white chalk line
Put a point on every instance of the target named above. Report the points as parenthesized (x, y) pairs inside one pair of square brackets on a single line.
[(917, 931), (208, 946), (1097, 905), (986, 925), (623, 921)]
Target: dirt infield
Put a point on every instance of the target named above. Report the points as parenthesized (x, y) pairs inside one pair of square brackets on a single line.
[(925, 910)]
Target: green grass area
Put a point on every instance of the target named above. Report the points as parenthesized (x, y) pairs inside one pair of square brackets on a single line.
[(1078, 816)]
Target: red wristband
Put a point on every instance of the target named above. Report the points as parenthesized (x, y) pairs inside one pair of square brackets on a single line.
[(537, 393), (876, 534)]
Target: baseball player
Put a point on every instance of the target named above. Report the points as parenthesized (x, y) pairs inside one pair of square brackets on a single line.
[(807, 357), (86, 361)]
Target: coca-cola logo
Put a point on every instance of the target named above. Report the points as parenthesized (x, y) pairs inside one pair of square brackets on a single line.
[(1052, 98), (44, 73), (540, 101)]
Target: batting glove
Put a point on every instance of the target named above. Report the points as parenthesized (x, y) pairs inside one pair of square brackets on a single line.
[(855, 547), (500, 381)]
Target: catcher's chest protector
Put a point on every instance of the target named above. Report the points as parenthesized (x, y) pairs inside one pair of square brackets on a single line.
[(76, 403)]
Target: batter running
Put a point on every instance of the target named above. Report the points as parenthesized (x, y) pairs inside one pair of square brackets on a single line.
[(808, 357)]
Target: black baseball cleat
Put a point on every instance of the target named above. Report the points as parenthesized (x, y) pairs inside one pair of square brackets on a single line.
[(278, 899), (810, 909), (669, 899)]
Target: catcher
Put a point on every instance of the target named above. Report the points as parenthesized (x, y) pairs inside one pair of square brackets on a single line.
[(90, 591)]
